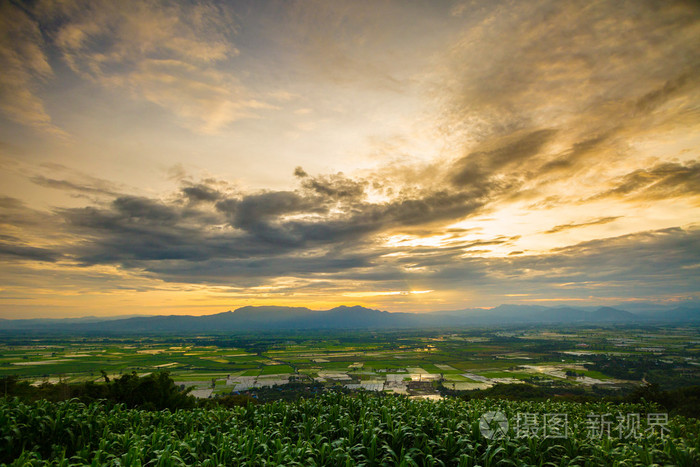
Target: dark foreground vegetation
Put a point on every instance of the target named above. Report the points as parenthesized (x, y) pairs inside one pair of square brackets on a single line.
[(333, 429), (135, 420), (158, 391), (683, 401)]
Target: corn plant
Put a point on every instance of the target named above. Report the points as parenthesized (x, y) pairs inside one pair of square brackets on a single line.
[(334, 430)]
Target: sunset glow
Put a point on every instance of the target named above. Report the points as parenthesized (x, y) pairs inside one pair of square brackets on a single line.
[(195, 157)]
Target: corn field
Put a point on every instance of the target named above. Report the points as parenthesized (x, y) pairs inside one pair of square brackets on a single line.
[(333, 430)]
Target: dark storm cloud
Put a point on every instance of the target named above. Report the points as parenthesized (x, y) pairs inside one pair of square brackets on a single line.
[(134, 232), (140, 232), (671, 88), (12, 249), (655, 259), (203, 234), (534, 92), (88, 188), (201, 192), (335, 186), (604, 85), (132, 207), (666, 180), (250, 239), (643, 264), (602, 220), (436, 206), (255, 272), (326, 228), (255, 208), (538, 56), (15, 214), (476, 168), (577, 152), (262, 215), (8, 202)]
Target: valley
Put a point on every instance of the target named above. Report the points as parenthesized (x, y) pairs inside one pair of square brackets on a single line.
[(578, 359)]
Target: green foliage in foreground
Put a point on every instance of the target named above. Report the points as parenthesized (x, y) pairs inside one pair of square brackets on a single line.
[(332, 429), (155, 391), (682, 401)]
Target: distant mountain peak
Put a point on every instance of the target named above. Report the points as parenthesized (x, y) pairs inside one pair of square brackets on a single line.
[(355, 308), (282, 318)]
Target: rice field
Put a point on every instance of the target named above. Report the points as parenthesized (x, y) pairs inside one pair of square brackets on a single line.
[(530, 355)]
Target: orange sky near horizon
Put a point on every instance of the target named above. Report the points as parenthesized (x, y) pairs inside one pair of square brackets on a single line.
[(194, 157)]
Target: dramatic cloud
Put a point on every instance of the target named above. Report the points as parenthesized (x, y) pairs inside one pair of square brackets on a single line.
[(171, 54), (479, 151), (667, 180), (96, 188), (14, 251), (507, 71), (200, 192), (24, 65), (604, 85), (602, 220)]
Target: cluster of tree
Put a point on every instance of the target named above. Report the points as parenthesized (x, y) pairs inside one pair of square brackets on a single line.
[(156, 391), (228, 400), (501, 391), (668, 375), (683, 401), (532, 390), (545, 346), (631, 368), (287, 392)]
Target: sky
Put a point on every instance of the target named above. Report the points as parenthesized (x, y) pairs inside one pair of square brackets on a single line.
[(192, 157)]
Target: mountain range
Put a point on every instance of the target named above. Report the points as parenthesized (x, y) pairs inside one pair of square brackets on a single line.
[(278, 318)]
